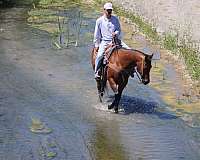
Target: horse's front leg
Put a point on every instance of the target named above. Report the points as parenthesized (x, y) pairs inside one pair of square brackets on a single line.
[(115, 103), (118, 89)]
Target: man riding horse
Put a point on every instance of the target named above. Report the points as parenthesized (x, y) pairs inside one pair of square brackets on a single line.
[(121, 64), (107, 27)]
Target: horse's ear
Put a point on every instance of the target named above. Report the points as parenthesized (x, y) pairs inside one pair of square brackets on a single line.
[(148, 57), (151, 56)]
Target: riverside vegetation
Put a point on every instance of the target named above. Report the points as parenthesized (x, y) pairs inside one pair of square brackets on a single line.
[(184, 48)]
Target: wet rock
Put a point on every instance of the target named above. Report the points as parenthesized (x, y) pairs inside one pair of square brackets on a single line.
[(38, 127), (51, 154)]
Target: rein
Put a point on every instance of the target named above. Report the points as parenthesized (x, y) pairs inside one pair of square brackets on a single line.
[(138, 75)]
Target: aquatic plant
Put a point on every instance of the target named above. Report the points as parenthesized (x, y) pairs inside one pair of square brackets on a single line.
[(64, 23), (39, 127)]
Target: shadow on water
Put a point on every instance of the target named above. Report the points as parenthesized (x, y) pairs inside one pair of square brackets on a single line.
[(131, 105)]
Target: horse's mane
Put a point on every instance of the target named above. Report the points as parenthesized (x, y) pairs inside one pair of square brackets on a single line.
[(135, 51), (145, 54)]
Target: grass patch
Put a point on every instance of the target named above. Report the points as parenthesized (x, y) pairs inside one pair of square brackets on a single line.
[(192, 61), (170, 42), (190, 55), (145, 28)]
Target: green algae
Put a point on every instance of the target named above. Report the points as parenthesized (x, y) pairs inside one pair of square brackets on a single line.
[(107, 147), (51, 154), (38, 127)]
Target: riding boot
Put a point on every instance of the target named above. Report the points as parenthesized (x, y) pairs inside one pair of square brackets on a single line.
[(97, 69)]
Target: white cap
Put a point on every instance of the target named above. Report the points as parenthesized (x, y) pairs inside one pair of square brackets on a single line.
[(108, 5)]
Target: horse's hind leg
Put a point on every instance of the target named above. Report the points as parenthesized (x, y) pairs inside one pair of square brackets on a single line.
[(114, 87)]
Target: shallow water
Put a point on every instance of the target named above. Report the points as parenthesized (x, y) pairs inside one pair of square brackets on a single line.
[(56, 88)]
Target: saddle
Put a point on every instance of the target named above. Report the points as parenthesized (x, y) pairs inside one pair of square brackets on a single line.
[(116, 44)]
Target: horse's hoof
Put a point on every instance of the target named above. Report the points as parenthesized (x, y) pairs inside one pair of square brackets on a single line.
[(101, 94), (116, 110), (110, 106), (100, 99)]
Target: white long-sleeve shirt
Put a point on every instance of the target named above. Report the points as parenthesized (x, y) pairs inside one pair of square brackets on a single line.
[(104, 29)]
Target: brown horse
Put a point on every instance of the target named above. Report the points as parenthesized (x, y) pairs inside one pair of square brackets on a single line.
[(122, 64)]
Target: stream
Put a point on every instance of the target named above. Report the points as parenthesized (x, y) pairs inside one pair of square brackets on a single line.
[(49, 107)]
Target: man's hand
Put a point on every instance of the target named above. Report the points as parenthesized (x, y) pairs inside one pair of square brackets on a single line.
[(114, 34)]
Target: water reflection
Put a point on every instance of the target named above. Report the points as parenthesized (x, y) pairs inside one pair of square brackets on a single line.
[(107, 144)]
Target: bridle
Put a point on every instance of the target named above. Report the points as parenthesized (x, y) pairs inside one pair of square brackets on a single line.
[(140, 75)]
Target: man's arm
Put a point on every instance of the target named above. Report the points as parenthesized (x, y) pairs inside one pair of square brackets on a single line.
[(118, 28), (97, 34)]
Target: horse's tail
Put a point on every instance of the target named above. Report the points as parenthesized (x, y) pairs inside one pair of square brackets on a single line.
[(93, 58)]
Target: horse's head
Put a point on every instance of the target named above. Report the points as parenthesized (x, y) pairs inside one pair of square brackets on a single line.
[(144, 69)]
